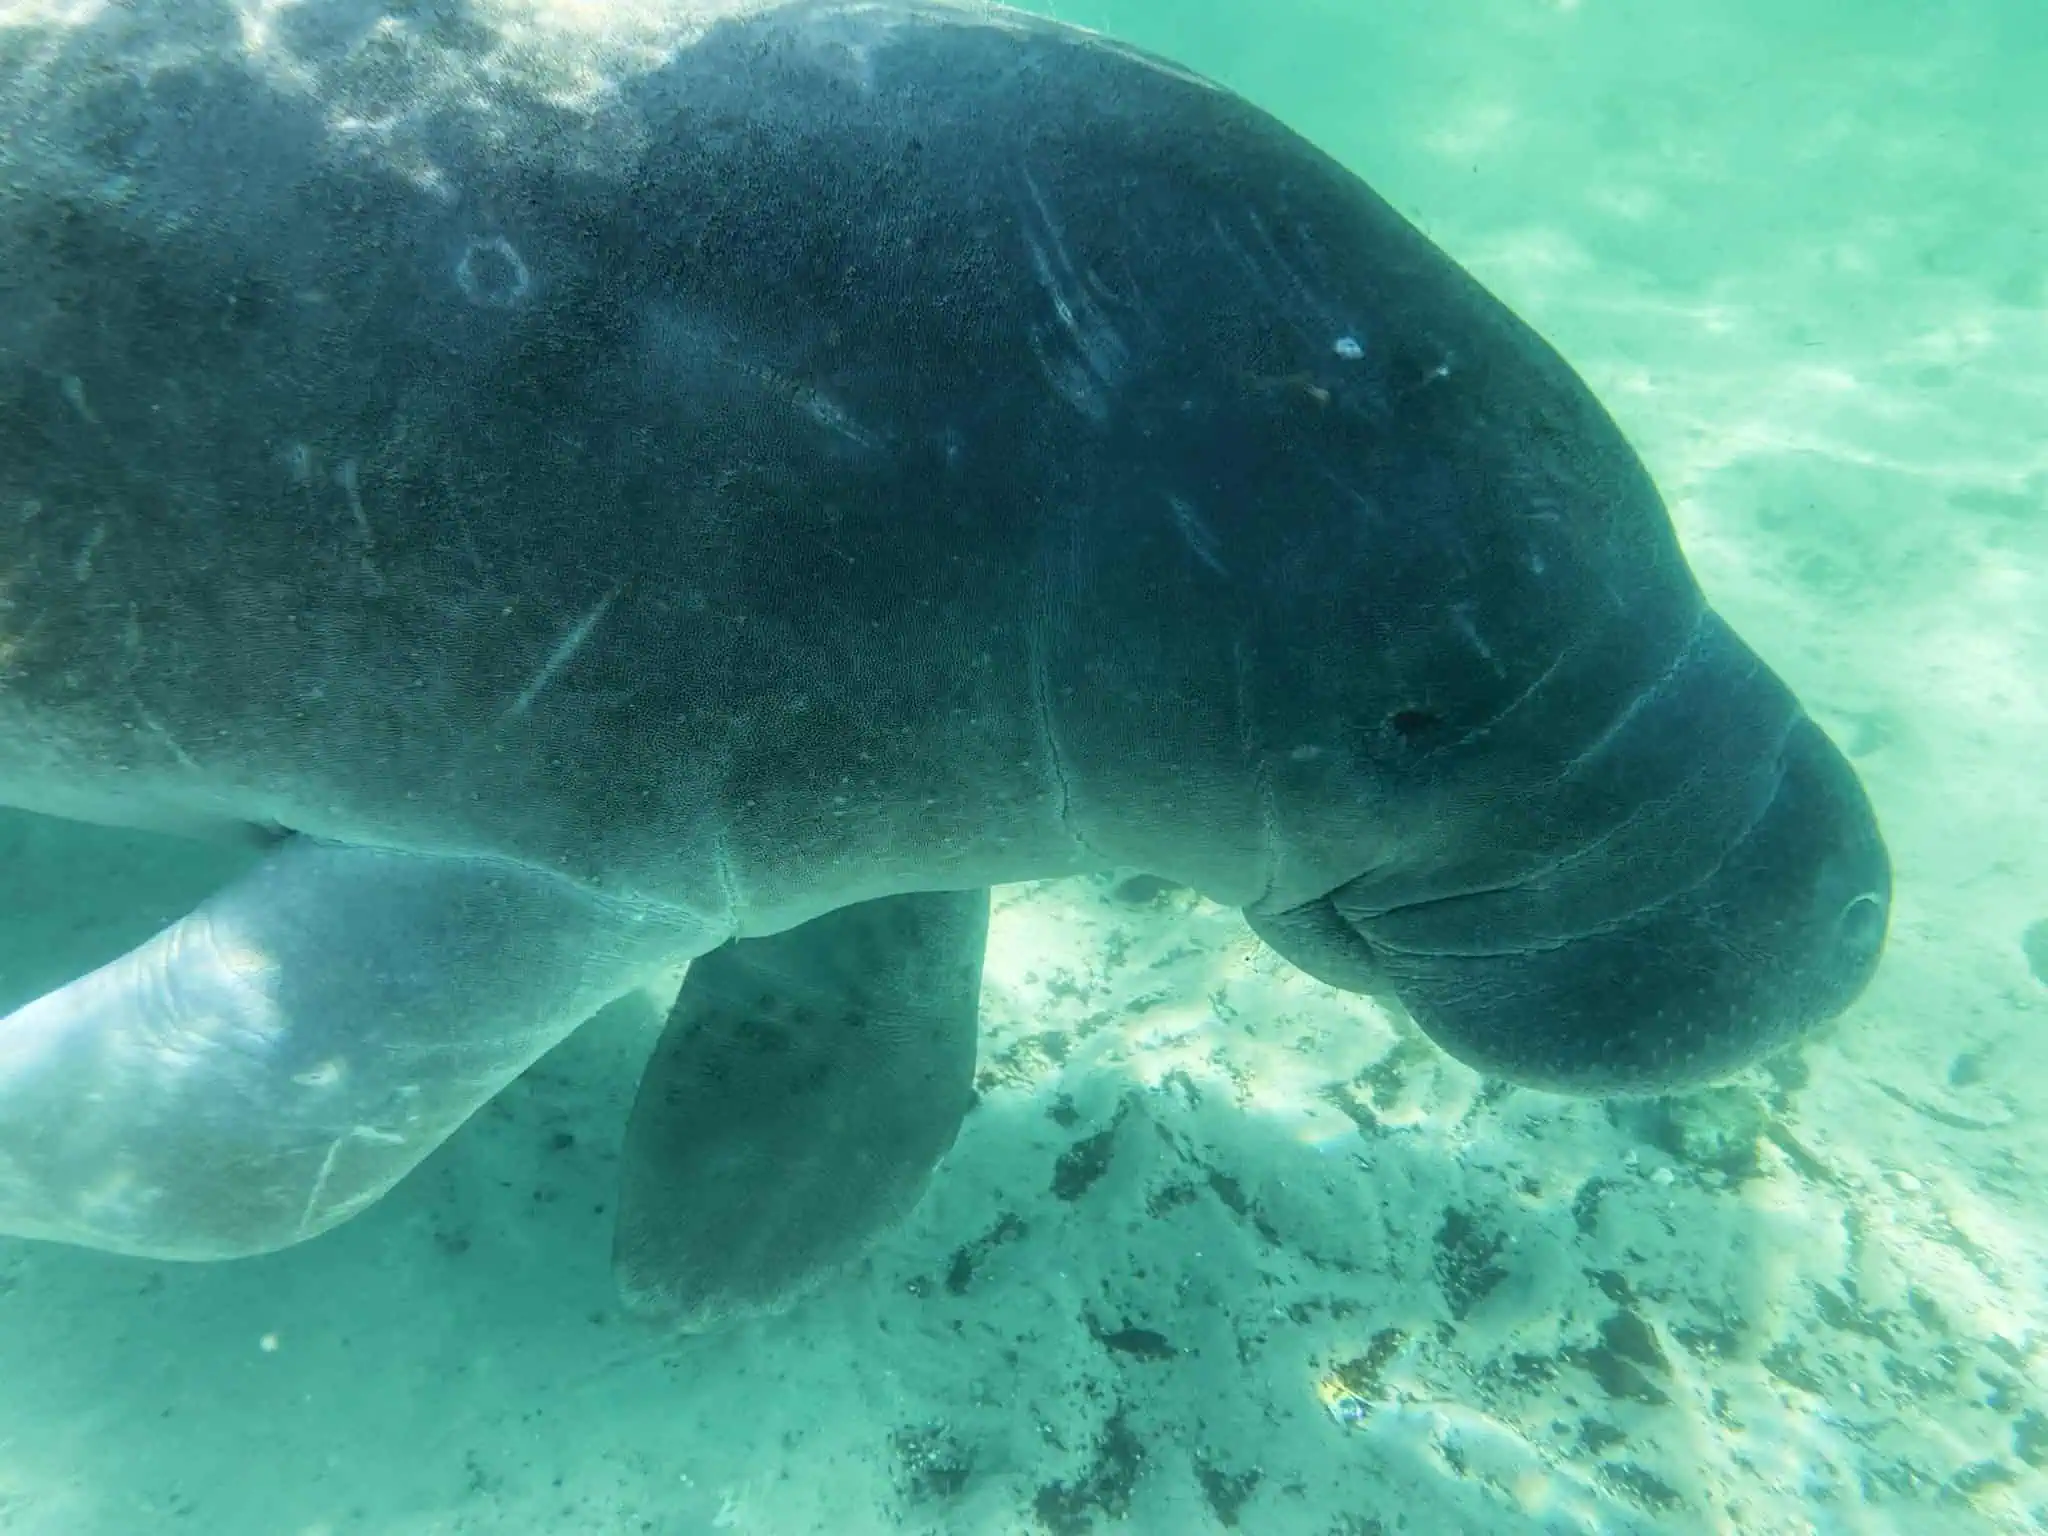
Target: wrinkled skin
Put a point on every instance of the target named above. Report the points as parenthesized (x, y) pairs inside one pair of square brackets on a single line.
[(867, 449)]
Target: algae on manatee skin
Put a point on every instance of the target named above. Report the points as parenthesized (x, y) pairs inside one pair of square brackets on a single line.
[(2034, 943)]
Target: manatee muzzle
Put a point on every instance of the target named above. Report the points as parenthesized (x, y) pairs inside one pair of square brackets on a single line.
[(1623, 967)]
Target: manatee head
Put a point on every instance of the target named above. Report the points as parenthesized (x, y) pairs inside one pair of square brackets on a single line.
[(1506, 762), (1702, 884)]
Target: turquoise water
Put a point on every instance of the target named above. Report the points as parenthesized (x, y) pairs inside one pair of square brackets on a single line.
[(1221, 1249)]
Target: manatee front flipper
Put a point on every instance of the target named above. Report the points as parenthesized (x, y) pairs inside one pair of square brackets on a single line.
[(1315, 939), (281, 1056), (805, 1086)]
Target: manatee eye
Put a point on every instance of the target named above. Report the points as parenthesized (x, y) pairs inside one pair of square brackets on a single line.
[(1413, 725)]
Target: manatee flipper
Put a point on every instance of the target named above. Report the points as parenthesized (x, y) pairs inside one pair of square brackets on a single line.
[(282, 1055), (805, 1086), (1316, 939)]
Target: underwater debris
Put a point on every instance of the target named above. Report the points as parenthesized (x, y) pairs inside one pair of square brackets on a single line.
[(1350, 1391)]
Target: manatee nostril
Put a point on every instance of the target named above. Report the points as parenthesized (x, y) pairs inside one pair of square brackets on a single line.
[(1863, 923)]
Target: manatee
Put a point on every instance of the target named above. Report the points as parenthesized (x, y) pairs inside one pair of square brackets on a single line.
[(729, 484)]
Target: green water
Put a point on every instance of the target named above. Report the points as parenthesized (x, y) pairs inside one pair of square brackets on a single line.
[(1220, 1250)]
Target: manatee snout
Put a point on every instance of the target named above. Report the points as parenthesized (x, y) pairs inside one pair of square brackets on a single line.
[(1780, 935), (1694, 882)]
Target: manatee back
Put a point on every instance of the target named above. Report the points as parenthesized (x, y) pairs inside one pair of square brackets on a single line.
[(447, 432)]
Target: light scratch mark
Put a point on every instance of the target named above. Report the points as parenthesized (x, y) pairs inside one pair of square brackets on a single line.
[(81, 567), (73, 388), (1200, 537), (1102, 354), (311, 1214), (1461, 615), (345, 477), (563, 653), (156, 728)]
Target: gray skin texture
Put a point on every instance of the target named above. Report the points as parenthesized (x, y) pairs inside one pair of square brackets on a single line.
[(625, 494)]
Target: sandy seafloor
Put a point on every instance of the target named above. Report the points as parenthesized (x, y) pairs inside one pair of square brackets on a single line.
[(1221, 1248)]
